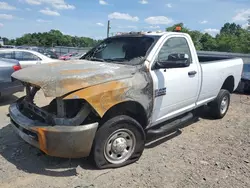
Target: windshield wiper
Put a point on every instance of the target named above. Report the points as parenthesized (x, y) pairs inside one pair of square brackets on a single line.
[(115, 60), (96, 59)]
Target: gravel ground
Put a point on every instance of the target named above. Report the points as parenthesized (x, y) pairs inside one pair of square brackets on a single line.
[(206, 153)]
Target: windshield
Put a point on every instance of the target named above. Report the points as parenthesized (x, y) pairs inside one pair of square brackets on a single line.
[(126, 50)]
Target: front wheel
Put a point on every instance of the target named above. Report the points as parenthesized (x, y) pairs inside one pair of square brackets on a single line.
[(118, 142), (220, 105)]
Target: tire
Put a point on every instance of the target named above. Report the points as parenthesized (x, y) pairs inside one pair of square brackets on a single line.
[(220, 105), (120, 133)]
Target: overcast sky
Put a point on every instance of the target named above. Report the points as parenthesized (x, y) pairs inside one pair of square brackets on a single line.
[(89, 17)]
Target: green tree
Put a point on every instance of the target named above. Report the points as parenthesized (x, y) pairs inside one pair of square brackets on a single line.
[(208, 43), (52, 38), (195, 35), (172, 28), (232, 38)]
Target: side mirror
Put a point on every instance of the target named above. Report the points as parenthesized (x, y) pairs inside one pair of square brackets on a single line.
[(173, 61)]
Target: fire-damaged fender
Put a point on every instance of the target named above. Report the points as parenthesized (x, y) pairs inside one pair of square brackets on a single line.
[(104, 96)]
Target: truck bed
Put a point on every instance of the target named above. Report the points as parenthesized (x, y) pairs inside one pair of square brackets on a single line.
[(208, 59), (214, 70), (208, 56)]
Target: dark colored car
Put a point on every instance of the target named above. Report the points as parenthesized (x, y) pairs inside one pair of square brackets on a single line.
[(244, 85), (51, 54), (46, 52), (67, 56), (7, 85), (41, 50)]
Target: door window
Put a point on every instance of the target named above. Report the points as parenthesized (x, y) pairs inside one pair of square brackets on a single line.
[(7, 55), (26, 56), (174, 46)]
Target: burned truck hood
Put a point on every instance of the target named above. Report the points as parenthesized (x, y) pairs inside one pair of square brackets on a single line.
[(60, 78)]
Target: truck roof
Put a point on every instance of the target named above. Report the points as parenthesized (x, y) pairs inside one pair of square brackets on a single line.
[(148, 33)]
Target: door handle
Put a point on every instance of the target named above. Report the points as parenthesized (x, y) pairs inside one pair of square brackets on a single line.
[(192, 73)]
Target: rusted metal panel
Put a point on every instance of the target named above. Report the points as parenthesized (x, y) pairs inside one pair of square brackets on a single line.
[(102, 96), (58, 141), (65, 141)]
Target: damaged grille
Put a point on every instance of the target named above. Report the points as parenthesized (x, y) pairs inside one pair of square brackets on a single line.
[(31, 110), (58, 112), (34, 112)]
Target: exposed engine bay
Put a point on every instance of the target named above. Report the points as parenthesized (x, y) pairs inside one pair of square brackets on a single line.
[(71, 112)]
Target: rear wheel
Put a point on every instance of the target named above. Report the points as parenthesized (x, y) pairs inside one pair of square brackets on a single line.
[(220, 105), (118, 142)]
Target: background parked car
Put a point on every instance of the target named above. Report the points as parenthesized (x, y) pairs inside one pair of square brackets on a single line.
[(78, 56), (26, 58), (45, 52), (51, 54), (41, 50), (7, 86), (244, 85)]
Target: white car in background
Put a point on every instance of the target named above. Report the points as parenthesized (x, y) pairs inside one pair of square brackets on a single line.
[(26, 58)]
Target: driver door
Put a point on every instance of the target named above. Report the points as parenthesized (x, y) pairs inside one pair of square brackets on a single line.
[(176, 88)]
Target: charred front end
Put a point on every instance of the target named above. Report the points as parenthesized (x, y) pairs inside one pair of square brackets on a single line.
[(62, 128)]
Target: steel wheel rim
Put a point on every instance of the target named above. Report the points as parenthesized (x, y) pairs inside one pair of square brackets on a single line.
[(119, 146), (224, 105)]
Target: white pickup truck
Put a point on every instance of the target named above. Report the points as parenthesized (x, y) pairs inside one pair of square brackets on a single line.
[(126, 87)]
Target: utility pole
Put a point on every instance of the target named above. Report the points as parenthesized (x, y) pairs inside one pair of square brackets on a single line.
[(248, 26), (108, 28)]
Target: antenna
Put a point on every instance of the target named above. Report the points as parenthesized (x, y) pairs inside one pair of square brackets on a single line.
[(108, 28)]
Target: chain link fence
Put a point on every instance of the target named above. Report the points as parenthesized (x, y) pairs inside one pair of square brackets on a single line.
[(60, 50)]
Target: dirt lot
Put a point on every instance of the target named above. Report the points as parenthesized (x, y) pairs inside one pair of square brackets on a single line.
[(207, 153)]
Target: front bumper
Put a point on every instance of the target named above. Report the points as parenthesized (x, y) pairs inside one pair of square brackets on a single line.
[(58, 141)]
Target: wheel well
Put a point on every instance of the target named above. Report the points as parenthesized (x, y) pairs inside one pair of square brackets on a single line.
[(229, 84), (130, 108)]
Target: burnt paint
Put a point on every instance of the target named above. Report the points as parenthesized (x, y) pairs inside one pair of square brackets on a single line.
[(64, 77), (103, 85), (104, 96)]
